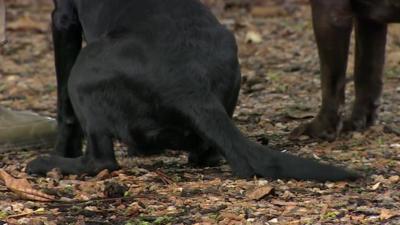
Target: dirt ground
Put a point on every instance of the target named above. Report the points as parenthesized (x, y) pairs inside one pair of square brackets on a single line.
[(281, 89)]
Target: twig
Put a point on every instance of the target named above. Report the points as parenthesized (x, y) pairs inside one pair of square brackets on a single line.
[(165, 178), (34, 213), (58, 203)]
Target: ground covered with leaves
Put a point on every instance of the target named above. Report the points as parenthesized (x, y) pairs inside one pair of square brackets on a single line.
[(280, 90)]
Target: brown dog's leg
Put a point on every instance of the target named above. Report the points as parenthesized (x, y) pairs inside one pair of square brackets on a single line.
[(332, 22), (369, 61)]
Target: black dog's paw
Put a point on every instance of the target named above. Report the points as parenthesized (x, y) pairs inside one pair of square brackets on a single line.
[(40, 165), (209, 159), (80, 165), (243, 171)]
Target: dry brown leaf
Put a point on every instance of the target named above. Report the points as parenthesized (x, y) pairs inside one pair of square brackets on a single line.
[(54, 174), (26, 23), (341, 184), (23, 189), (299, 113), (387, 214), (394, 179), (357, 218), (230, 218), (260, 192), (102, 175), (282, 203), (268, 11), (289, 209)]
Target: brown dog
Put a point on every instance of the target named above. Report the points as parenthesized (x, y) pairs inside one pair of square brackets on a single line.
[(333, 21)]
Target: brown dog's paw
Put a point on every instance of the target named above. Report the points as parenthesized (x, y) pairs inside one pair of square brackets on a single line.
[(359, 122), (315, 129)]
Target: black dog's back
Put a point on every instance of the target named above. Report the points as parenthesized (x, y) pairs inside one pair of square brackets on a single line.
[(174, 35), (147, 19), (164, 74)]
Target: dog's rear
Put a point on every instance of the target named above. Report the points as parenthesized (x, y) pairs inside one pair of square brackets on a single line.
[(159, 67)]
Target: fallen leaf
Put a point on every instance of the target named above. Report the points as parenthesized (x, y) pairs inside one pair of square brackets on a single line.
[(23, 189), (253, 37), (376, 186), (267, 11), (394, 179), (387, 214), (357, 217), (330, 184), (260, 192), (231, 218), (358, 135), (103, 175), (316, 156), (282, 203), (274, 220), (299, 114), (26, 23), (341, 184)]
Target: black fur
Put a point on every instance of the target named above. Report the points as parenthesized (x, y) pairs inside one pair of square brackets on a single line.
[(155, 74)]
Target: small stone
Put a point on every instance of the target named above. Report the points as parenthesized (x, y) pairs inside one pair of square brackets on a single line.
[(257, 87)]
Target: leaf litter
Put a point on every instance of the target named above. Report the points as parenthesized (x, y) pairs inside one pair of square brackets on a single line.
[(280, 90)]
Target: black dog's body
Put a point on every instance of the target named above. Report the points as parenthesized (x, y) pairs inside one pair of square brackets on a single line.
[(155, 74)]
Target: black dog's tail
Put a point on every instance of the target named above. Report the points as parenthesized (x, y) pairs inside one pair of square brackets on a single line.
[(247, 158)]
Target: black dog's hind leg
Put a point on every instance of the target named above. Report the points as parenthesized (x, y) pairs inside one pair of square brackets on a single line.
[(67, 38), (204, 156), (99, 154), (207, 155)]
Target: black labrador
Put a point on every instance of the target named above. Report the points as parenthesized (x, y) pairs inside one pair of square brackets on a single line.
[(333, 22), (154, 74)]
